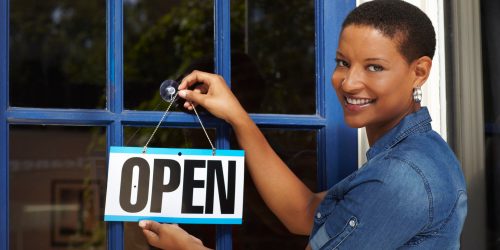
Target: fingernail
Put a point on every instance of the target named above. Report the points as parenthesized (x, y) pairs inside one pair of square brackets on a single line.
[(182, 93), (142, 223)]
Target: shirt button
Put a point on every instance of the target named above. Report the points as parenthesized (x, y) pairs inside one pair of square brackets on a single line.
[(318, 215), (352, 223)]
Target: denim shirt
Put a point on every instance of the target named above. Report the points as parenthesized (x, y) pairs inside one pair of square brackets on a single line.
[(409, 194)]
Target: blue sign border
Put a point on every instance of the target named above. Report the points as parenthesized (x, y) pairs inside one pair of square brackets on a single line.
[(174, 219), (176, 151)]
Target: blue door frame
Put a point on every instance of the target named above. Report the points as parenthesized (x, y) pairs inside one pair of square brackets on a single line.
[(337, 144)]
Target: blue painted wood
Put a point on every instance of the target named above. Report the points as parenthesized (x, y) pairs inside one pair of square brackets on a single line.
[(337, 144), (222, 53), (222, 39), (150, 118), (114, 95), (4, 126), (115, 229)]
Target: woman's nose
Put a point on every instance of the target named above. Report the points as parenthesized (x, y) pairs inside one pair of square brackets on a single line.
[(352, 81)]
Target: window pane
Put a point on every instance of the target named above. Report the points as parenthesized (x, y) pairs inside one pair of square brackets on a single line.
[(491, 88), (261, 229), (493, 195), (273, 56), (58, 53), (168, 138), (164, 40), (57, 187)]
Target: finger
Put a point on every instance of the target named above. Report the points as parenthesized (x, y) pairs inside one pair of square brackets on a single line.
[(151, 237), (187, 105), (150, 225), (193, 96), (197, 240), (195, 77), (200, 87)]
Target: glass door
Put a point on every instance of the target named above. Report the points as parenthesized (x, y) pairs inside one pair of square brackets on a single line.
[(77, 77), (491, 87)]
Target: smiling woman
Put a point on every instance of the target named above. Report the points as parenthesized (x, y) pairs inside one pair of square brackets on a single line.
[(376, 82), (410, 193)]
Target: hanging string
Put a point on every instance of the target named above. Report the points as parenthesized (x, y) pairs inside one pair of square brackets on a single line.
[(139, 128), (173, 99), (159, 123), (204, 130)]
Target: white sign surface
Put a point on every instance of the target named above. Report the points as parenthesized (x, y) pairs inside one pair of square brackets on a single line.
[(175, 185)]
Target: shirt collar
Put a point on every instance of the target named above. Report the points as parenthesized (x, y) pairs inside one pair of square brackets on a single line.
[(417, 122)]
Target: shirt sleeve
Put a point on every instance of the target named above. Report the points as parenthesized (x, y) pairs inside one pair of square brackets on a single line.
[(379, 208)]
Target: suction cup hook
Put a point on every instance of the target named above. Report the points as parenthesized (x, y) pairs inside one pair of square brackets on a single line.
[(168, 89)]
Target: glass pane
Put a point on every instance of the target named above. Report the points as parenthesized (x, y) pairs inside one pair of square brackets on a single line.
[(58, 53), (168, 138), (164, 40), (57, 187), (261, 229), (273, 56), (491, 88), (492, 167)]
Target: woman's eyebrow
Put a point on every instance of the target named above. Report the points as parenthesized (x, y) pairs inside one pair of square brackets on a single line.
[(376, 59)]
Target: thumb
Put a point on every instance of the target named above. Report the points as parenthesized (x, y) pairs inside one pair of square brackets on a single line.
[(151, 237), (192, 98), (150, 225), (150, 229)]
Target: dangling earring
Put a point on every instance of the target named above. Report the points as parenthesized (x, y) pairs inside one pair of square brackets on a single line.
[(417, 94)]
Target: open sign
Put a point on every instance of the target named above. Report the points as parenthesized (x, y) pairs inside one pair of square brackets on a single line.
[(175, 185)]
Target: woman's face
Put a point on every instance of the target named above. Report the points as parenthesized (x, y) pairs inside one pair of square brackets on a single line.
[(373, 81)]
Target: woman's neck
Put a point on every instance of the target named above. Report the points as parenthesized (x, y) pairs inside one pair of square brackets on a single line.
[(376, 131)]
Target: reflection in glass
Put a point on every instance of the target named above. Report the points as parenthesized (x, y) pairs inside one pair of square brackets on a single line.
[(57, 187), (273, 56), (58, 53), (164, 40), (168, 138), (490, 34), (261, 229), (492, 164)]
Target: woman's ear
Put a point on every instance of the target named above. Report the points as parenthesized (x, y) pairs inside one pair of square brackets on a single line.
[(422, 70)]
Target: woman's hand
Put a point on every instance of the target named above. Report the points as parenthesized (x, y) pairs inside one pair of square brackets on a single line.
[(213, 94), (169, 236), (287, 196)]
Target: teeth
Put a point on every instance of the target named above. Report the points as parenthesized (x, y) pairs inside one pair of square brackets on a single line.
[(356, 101)]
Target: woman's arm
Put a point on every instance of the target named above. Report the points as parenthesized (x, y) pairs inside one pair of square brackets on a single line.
[(285, 194)]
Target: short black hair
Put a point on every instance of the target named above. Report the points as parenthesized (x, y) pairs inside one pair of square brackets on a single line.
[(399, 20)]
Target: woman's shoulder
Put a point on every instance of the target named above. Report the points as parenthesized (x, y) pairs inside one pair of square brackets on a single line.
[(424, 163), (424, 160), (425, 149)]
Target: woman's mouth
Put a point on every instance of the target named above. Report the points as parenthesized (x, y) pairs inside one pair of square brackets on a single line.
[(356, 104)]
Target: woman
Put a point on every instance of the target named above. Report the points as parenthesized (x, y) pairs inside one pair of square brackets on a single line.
[(410, 193)]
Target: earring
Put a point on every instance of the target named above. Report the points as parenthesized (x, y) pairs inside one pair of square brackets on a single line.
[(417, 94)]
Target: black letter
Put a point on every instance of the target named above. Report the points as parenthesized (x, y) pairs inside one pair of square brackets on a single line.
[(126, 185), (158, 187), (189, 184), (214, 169)]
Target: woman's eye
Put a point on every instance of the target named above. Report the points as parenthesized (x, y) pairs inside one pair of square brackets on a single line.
[(341, 63), (375, 68)]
